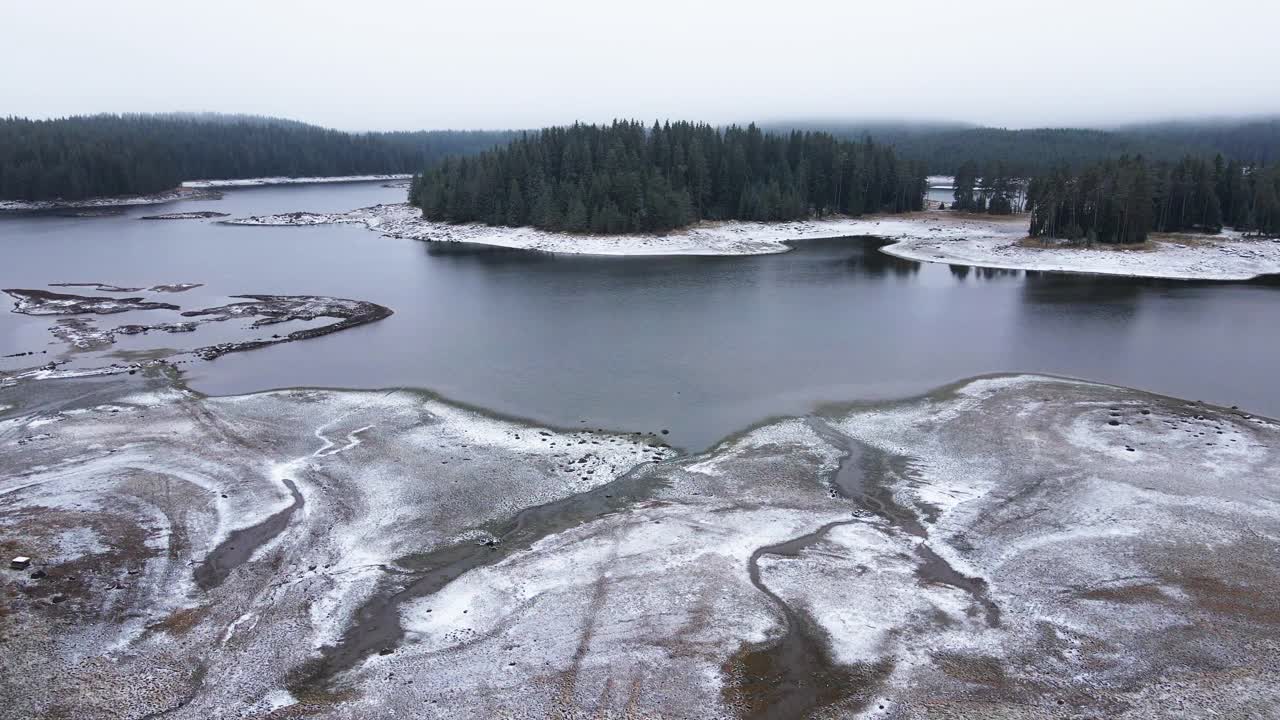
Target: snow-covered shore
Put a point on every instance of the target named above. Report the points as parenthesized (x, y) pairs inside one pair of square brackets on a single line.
[(190, 190), (183, 193), (720, 238), (931, 236), (1227, 256), (258, 182)]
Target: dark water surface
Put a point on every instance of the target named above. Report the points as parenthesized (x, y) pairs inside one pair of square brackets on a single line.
[(702, 346)]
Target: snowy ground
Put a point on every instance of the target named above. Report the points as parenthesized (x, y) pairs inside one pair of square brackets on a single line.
[(1227, 256), (931, 236), (1007, 547), (202, 215), (183, 193), (190, 190), (257, 182), (163, 478), (722, 238)]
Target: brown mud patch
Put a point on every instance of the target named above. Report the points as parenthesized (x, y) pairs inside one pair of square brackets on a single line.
[(1036, 243), (67, 585), (795, 678), (180, 622)]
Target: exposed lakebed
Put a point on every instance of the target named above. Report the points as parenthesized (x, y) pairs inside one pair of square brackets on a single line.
[(1011, 546), (701, 346)]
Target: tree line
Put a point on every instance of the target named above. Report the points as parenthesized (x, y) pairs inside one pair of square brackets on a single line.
[(624, 177), (1122, 201), (943, 148), (105, 155), (993, 191)]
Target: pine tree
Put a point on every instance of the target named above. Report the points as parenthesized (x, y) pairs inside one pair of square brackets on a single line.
[(966, 180)]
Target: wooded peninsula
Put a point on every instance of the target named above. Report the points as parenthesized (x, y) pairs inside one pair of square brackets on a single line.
[(622, 178)]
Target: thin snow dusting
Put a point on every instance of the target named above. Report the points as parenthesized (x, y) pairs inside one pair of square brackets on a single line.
[(720, 238), (891, 613), (1011, 546), (1227, 256), (280, 180), (189, 190), (930, 236), (1114, 521), (107, 202)]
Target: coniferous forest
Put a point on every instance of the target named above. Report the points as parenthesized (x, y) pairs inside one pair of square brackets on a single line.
[(625, 177), (943, 148), (993, 192), (1122, 201), (104, 155)]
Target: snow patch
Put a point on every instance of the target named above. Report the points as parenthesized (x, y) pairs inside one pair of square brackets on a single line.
[(719, 238), (1202, 257), (280, 180)]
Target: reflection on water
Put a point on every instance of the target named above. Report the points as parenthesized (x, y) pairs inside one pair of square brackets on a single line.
[(702, 346), (875, 264)]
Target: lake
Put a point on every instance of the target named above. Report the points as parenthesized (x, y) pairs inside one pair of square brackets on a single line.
[(700, 346)]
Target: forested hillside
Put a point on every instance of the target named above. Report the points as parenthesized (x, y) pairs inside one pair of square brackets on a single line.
[(943, 148), (626, 178), (1250, 141), (1121, 201), (105, 155)]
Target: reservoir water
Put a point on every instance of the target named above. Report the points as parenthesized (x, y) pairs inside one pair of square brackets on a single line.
[(700, 346)]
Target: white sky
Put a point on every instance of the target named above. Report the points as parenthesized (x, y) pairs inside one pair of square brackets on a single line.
[(377, 64)]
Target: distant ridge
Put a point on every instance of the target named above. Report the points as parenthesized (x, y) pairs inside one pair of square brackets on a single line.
[(944, 146), (106, 155)]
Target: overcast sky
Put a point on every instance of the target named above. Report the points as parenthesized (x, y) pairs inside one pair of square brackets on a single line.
[(375, 64)]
